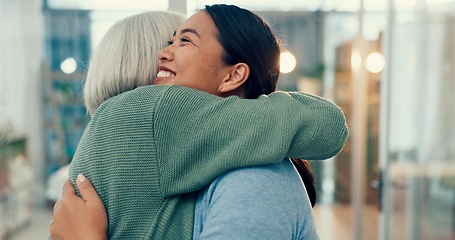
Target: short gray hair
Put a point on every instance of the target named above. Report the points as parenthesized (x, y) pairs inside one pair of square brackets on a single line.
[(127, 55)]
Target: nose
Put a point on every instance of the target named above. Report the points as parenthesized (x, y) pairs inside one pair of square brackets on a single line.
[(166, 54)]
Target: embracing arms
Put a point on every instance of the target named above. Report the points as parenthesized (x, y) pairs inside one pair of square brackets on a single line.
[(188, 137), (200, 135)]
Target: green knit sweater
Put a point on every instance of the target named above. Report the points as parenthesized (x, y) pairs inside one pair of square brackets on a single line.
[(148, 150)]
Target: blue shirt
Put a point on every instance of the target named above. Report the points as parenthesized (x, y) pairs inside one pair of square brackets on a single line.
[(261, 202)]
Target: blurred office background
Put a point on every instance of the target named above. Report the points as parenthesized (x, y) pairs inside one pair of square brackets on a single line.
[(389, 64)]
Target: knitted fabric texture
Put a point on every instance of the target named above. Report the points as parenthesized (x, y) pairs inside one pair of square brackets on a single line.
[(148, 150)]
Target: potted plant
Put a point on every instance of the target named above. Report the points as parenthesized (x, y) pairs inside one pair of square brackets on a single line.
[(10, 148)]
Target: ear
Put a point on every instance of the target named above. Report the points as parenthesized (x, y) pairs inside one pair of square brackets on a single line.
[(238, 74)]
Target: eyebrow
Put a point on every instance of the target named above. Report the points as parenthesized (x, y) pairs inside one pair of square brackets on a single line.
[(188, 30)]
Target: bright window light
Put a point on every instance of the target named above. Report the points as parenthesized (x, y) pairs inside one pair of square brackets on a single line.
[(109, 5), (438, 1), (261, 5), (405, 3), (348, 5)]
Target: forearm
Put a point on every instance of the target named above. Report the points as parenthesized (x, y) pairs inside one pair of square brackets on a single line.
[(212, 134)]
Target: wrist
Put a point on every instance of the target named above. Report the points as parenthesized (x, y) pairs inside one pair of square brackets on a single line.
[(97, 237)]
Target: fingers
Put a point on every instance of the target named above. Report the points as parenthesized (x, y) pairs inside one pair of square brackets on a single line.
[(57, 206), (88, 192), (68, 189), (73, 213), (53, 228)]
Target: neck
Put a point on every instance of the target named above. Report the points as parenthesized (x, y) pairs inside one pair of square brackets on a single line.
[(237, 92)]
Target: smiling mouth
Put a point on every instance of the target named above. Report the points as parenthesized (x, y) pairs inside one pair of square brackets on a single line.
[(165, 74)]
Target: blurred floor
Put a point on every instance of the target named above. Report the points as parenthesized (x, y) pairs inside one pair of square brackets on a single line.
[(333, 222), (37, 228)]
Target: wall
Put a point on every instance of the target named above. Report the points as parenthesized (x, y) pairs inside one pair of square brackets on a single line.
[(20, 83)]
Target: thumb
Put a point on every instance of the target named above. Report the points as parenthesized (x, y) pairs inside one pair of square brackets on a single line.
[(86, 189)]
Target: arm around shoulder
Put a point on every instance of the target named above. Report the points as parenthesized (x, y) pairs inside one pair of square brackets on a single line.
[(199, 135)]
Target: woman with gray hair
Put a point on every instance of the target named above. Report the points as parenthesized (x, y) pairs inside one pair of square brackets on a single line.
[(126, 58)]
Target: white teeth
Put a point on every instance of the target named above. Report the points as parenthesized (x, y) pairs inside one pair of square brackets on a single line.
[(165, 74)]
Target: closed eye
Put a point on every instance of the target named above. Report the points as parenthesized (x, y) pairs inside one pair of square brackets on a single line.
[(185, 40), (182, 40), (171, 41)]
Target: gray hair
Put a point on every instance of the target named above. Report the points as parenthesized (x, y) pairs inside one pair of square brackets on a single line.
[(127, 55)]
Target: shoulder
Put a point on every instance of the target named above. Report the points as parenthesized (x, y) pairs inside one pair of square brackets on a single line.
[(267, 200), (281, 173), (146, 95), (279, 183)]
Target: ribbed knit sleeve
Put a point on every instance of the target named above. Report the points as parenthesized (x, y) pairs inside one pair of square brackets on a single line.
[(198, 135)]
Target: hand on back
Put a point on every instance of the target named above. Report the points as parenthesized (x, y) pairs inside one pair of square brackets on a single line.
[(79, 217)]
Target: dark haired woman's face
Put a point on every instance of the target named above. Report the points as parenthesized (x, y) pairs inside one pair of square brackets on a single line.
[(193, 58)]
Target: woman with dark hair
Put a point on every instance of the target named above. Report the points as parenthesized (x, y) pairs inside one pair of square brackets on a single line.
[(243, 203), (148, 151)]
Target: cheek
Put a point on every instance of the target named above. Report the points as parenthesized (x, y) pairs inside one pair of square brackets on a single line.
[(196, 70), (183, 56)]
